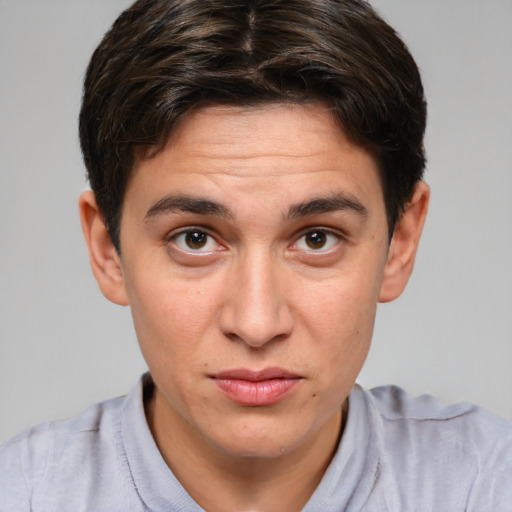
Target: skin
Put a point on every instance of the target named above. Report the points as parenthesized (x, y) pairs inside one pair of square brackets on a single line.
[(232, 257)]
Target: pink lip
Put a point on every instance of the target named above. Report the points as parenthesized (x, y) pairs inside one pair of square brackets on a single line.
[(256, 388)]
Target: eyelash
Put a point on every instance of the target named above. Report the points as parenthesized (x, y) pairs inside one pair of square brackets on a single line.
[(323, 231), (190, 230)]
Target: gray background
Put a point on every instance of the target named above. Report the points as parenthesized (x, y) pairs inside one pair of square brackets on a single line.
[(63, 346)]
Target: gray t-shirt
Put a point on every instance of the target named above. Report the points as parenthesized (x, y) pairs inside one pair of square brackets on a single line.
[(397, 453)]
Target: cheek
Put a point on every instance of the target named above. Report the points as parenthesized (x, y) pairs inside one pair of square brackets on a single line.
[(171, 315), (170, 323), (340, 323), (344, 310)]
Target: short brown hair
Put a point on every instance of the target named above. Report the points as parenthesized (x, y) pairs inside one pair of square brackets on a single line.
[(163, 58)]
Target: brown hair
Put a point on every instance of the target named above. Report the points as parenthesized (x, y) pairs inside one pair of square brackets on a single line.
[(163, 58)]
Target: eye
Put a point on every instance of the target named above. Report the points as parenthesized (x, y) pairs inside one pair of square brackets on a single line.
[(195, 240), (317, 240)]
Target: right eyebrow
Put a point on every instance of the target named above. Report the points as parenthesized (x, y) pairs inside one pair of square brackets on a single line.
[(187, 204)]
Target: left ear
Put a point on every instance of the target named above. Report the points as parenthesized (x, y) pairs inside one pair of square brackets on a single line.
[(404, 244)]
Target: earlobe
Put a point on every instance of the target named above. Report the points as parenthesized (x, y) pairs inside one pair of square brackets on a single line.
[(404, 244), (104, 259)]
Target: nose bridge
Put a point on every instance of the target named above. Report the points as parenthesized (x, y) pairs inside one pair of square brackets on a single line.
[(256, 311)]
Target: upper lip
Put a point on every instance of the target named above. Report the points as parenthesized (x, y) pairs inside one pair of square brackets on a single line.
[(256, 375)]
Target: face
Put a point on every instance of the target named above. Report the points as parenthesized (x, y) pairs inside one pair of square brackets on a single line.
[(253, 250)]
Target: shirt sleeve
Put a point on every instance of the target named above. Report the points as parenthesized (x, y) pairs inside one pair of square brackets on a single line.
[(492, 489), (14, 492), (22, 470)]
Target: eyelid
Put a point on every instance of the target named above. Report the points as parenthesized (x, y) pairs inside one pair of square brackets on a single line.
[(172, 236), (311, 229)]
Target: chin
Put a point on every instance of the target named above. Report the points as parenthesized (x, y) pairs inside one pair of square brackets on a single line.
[(263, 440), (249, 449)]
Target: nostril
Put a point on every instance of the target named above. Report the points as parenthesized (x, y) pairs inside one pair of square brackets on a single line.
[(254, 342)]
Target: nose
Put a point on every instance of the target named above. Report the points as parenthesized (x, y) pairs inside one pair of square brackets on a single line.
[(256, 311)]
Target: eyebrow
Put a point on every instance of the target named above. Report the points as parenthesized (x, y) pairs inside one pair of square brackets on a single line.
[(337, 202), (203, 206), (188, 204)]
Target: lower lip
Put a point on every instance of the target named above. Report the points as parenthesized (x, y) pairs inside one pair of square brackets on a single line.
[(259, 393)]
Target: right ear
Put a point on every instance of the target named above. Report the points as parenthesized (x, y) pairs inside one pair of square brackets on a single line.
[(105, 261)]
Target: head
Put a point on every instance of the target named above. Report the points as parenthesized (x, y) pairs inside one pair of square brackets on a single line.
[(256, 171), (164, 59)]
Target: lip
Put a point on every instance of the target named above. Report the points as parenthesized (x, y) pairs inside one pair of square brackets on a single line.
[(257, 388)]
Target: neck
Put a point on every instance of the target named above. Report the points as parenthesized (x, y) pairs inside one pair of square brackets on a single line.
[(219, 481)]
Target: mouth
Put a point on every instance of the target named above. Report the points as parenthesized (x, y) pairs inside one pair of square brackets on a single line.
[(257, 388)]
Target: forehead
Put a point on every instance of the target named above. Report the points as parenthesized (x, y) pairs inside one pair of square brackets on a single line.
[(283, 152), (280, 131)]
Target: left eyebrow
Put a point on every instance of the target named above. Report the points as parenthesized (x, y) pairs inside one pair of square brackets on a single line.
[(337, 202)]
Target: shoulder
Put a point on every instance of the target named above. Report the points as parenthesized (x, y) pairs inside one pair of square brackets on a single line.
[(97, 420), (56, 452), (459, 451), (400, 411)]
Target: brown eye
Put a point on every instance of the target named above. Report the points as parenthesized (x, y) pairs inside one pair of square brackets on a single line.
[(196, 239), (315, 239)]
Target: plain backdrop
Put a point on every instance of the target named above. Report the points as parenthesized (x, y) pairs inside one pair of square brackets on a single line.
[(63, 346)]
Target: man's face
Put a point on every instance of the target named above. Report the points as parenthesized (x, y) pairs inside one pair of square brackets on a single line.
[(253, 248)]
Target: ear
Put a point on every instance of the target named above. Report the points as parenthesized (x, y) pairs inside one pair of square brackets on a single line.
[(105, 262), (404, 244)]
